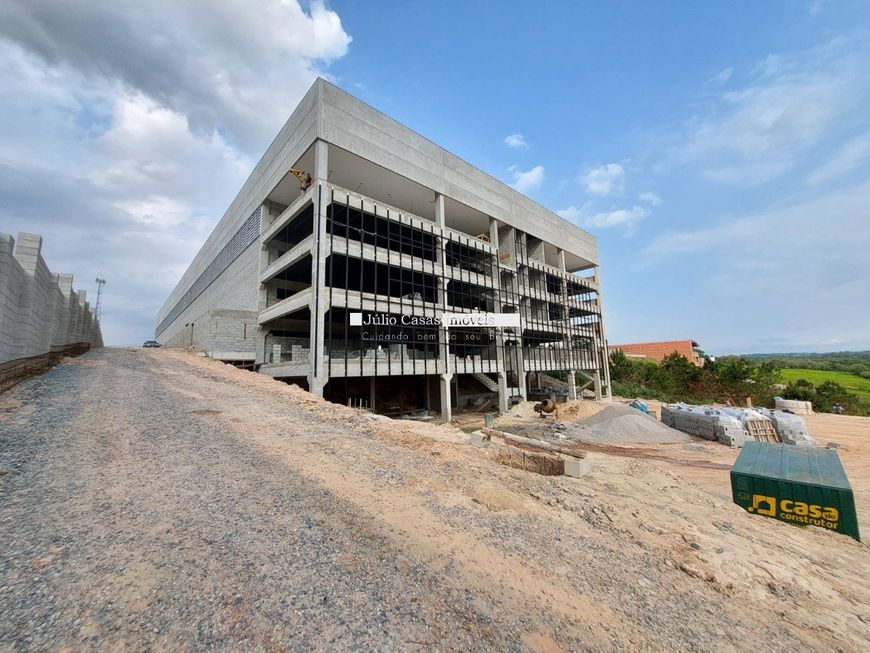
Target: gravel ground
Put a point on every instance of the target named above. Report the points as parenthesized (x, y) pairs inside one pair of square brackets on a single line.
[(156, 501)]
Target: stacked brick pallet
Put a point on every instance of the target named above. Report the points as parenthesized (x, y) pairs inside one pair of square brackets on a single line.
[(733, 426), (705, 422), (794, 406)]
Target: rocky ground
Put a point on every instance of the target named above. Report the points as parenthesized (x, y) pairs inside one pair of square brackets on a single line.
[(151, 500)]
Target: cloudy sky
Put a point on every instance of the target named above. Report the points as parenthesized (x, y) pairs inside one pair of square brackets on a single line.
[(720, 152)]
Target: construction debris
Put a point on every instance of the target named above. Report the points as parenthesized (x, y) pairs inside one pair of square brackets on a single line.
[(532, 442)]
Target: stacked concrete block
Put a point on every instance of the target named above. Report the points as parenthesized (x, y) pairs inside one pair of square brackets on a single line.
[(756, 424), (705, 422), (733, 426), (791, 428), (794, 406), (38, 310)]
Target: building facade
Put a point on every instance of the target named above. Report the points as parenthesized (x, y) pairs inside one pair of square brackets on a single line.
[(659, 350), (335, 275)]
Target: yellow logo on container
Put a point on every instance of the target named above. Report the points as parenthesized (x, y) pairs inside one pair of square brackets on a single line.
[(768, 503), (795, 511)]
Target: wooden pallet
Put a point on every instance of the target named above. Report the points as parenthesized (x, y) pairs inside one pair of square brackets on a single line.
[(762, 430)]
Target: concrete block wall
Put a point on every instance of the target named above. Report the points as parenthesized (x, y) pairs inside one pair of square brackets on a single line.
[(231, 331), (11, 283), (218, 315), (38, 309)]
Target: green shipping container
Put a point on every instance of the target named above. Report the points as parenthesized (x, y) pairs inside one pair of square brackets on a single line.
[(798, 485)]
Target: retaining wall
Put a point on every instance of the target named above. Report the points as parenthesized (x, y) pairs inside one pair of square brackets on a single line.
[(38, 309)]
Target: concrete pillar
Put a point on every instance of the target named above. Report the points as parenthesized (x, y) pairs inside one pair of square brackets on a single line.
[(10, 291), (65, 284), (260, 345), (596, 378), (318, 373), (502, 393), (604, 353), (321, 161), (80, 315), (440, 215), (30, 319), (561, 254), (493, 232), (446, 403), (572, 384), (260, 333)]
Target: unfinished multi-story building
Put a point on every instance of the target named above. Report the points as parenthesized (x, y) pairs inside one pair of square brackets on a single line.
[(353, 236)]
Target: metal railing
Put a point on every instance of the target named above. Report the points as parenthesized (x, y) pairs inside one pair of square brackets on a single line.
[(17, 370)]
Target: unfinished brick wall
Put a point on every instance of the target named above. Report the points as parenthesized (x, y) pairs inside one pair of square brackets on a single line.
[(659, 350)]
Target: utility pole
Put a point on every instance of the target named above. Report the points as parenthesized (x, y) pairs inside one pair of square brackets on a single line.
[(98, 308)]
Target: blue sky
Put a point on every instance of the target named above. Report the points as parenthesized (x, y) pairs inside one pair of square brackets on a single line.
[(720, 152)]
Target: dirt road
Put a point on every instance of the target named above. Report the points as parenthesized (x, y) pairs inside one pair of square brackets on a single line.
[(150, 500)]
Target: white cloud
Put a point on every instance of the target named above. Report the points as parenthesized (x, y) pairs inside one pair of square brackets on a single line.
[(603, 180), (231, 65), (618, 218), (721, 77), (650, 198), (573, 213), (785, 268), (761, 131), (516, 142), (847, 158), (753, 134), (123, 141), (529, 180), (626, 218), (816, 6)]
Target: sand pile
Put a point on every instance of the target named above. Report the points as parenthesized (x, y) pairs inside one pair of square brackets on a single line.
[(570, 411), (523, 410), (620, 424)]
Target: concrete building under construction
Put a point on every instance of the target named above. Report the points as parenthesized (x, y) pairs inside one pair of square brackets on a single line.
[(334, 274)]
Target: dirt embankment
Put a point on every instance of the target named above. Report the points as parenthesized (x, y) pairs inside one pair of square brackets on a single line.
[(215, 508)]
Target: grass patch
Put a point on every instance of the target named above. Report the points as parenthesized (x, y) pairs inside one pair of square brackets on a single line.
[(852, 382)]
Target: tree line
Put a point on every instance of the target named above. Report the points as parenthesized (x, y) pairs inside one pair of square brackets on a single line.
[(729, 379), (854, 362)]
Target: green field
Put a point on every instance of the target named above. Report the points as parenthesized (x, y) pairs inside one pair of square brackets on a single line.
[(852, 382)]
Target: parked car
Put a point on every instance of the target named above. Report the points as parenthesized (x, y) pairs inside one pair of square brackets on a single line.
[(151, 343)]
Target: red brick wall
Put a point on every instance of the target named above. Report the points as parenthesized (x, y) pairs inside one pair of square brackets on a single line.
[(658, 350)]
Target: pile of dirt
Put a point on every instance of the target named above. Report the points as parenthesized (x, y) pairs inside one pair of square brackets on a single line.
[(571, 411), (620, 424), (523, 410)]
